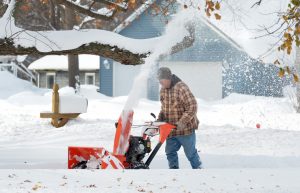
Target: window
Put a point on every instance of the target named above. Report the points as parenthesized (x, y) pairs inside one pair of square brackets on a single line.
[(50, 80), (90, 78)]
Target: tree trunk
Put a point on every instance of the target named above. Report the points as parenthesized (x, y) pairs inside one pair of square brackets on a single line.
[(53, 18), (73, 63), (73, 69)]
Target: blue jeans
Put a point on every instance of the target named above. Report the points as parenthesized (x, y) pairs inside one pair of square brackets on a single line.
[(188, 142)]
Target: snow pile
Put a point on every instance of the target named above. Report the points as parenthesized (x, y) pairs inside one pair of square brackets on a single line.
[(20, 92), (10, 85), (90, 92), (31, 98), (244, 111)]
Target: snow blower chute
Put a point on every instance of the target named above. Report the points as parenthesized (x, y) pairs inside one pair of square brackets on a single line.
[(128, 151)]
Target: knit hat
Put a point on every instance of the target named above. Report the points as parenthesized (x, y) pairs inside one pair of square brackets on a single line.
[(164, 73)]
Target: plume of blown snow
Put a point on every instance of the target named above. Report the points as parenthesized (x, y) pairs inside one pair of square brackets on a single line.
[(175, 32)]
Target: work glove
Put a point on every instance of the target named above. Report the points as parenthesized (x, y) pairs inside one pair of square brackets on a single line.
[(161, 118), (180, 125)]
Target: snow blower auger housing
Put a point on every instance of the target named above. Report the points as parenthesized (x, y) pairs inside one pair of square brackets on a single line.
[(128, 151)]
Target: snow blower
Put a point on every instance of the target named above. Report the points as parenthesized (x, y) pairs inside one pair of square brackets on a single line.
[(128, 151)]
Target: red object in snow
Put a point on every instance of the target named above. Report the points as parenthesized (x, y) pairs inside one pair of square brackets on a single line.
[(258, 126)]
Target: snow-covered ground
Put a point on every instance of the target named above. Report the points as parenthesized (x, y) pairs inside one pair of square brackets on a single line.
[(237, 156), (152, 181)]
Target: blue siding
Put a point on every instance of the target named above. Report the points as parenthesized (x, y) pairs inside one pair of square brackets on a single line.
[(207, 47), (145, 26), (106, 76)]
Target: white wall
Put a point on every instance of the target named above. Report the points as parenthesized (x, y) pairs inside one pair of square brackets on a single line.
[(123, 77), (203, 78)]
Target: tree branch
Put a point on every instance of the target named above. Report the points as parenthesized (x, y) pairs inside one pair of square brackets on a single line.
[(85, 11), (257, 3), (112, 3), (124, 56), (3, 9), (120, 55), (186, 42)]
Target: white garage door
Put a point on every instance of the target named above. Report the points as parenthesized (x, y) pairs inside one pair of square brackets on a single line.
[(203, 78)]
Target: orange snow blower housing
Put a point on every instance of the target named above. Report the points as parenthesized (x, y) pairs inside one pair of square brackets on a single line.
[(128, 151)]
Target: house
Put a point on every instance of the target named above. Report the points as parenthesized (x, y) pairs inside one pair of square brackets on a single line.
[(214, 67), (14, 65), (54, 69)]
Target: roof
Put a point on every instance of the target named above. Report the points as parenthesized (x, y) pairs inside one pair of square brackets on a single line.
[(134, 15), (222, 34), (241, 27), (57, 62), (203, 19)]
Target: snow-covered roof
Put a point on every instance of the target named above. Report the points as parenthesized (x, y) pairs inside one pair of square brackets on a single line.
[(133, 16), (204, 19), (222, 34), (55, 62)]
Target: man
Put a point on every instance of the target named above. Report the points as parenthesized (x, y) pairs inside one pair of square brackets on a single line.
[(178, 107)]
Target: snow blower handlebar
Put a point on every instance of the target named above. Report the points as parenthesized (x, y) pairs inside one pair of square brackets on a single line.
[(152, 128), (165, 130)]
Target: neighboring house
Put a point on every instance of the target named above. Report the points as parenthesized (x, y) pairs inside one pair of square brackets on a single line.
[(213, 67), (13, 65), (54, 69)]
